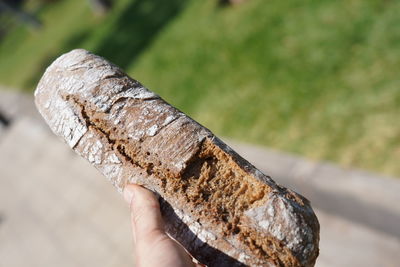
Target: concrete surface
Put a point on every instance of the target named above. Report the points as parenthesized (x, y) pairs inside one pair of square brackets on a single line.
[(56, 210)]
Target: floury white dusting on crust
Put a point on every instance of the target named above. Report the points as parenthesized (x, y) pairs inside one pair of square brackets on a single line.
[(65, 123), (80, 63), (224, 210)]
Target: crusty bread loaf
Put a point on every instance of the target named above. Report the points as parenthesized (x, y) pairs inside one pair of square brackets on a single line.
[(220, 207)]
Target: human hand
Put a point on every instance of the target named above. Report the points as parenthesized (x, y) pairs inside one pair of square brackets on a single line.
[(153, 246)]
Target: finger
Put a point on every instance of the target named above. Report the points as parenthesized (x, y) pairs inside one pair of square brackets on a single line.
[(148, 231), (146, 217)]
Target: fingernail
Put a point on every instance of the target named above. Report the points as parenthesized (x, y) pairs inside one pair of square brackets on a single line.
[(128, 194)]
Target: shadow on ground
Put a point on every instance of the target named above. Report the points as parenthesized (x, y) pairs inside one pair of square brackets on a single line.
[(136, 27)]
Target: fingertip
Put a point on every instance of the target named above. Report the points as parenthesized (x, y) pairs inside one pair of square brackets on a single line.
[(137, 195), (143, 196)]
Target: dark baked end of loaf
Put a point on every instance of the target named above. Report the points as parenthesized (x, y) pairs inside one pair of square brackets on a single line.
[(213, 200)]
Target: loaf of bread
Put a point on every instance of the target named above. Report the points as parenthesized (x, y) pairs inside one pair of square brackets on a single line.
[(222, 209)]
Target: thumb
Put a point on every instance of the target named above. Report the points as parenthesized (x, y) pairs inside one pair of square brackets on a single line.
[(146, 220), (149, 234)]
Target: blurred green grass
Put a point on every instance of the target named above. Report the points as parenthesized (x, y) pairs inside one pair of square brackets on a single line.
[(317, 78)]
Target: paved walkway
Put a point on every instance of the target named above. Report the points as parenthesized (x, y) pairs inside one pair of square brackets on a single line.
[(56, 210)]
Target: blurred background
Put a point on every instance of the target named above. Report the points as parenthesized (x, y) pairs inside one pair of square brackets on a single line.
[(313, 86)]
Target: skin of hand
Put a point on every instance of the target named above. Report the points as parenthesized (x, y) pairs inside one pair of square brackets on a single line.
[(153, 247)]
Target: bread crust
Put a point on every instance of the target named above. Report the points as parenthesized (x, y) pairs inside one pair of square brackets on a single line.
[(219, 206)]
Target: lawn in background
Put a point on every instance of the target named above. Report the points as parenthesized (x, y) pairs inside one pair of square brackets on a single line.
[(317, 78)]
